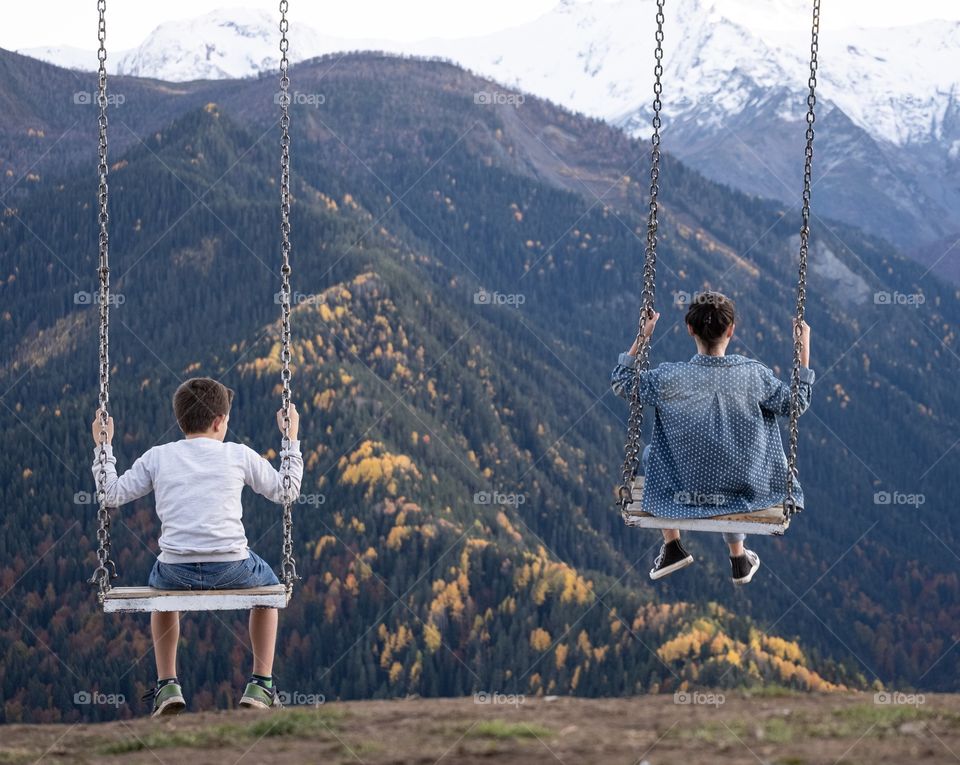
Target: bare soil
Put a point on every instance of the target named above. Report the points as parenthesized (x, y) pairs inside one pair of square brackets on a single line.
[(780, 729)]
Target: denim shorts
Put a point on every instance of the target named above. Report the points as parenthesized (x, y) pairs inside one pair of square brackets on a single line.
[(229, 575)]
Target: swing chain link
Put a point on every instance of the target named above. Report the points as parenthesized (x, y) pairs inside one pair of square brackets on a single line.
[(289, 566), (106, 569), (632, 446), (790, 504)]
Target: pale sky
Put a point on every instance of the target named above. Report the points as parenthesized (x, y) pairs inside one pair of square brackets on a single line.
[(73, 22)]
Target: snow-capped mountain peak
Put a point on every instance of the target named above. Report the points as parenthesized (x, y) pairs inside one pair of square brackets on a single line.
[(226, 43), (735, 87), (596, 56)]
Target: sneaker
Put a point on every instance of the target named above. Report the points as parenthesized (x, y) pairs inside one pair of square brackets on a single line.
[(745, 566), (167, 699), (259, 696), (672, 558)]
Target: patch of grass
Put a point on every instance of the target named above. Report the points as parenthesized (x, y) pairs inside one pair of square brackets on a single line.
[(884, 718), (295, 723), (775, 730), (151, 741), (771, 691), (778, 730), (712, 733), (500, 729), (16, 756), (846, 722)]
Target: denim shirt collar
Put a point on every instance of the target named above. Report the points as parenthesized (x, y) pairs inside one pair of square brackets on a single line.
[(731, 359)]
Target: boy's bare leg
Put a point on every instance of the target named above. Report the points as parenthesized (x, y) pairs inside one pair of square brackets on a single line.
[(165, 627), (263, 637), (670, 535), (736, 548)]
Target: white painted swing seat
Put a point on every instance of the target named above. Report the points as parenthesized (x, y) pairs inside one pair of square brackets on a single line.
[(148, 599), (769, 521)]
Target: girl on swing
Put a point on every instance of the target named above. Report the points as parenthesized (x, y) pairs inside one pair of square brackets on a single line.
[(716, 447)]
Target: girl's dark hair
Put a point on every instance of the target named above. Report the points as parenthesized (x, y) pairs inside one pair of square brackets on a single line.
[(198, 402), (710, 315)]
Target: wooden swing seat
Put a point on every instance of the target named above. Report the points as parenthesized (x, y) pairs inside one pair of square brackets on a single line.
[(143, 599), (769, 521)]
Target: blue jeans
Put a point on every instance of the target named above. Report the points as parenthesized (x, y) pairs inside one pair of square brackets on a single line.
[(228, 575), (727, 537)]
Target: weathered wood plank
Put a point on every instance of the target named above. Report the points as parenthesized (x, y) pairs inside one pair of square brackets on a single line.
[(141, 599), (768, 521), (706, 524)]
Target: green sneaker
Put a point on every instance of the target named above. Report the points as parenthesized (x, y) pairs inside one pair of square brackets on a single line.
[(167, 700), (258, 696)]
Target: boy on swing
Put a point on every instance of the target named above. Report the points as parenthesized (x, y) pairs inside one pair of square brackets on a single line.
[(716, 448), (198, 481)]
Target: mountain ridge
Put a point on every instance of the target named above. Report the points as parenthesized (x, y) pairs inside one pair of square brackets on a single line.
[(734, 95)]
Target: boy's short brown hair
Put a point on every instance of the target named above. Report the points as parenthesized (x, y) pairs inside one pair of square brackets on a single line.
[(198, 402)]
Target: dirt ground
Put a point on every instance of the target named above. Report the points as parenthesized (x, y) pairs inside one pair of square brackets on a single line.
[(785, 729)]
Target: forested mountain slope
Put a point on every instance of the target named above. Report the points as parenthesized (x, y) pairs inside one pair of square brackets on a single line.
[(466, 273)]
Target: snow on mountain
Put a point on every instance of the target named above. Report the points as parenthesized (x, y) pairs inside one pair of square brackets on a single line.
[(734, 89), (229, 43), (596, 56), (64, 55), (767, 15), (900, 84)]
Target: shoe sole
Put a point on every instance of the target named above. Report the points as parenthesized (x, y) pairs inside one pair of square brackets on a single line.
[(248, 703), (746, 579), (662, 572), (169, 708)]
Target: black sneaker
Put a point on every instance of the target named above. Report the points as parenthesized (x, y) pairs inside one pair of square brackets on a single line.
[(672, 558), (744, 566)]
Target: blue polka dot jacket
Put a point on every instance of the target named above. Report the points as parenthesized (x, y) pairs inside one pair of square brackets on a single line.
[(716, 447)]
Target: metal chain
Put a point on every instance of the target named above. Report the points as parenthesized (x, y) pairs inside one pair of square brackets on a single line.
[(790, 503), (631, 458), (289, 566), (106, 569)]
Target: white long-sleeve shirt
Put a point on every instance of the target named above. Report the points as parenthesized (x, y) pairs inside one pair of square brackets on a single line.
[(198, 483)]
